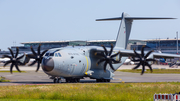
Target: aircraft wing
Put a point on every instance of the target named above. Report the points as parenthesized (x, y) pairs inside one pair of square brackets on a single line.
[(164, 55), (130, 53)]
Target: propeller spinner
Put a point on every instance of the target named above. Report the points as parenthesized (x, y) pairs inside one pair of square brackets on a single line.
[(37, 56), (107, 57), (143, 60), (14, 60)]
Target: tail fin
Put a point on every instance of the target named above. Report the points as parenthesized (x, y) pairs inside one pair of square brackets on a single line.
[(125, 28)]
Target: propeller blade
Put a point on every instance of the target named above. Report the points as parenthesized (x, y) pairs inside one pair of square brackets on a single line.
[(6, 56), (110, 64), (137, 54), (17, 52), (33, 51), (114, 55), (136, 60), (105, 50), (17, 67), (137, 66), (20, 57), (7, 62), (115, 61), (143, 60), (111, 50), (43, 52), (132, 58), (150, 60), (31, 56), (149, 53), (20, 63), (11, 52), (143, 65), (11, 67), (32, 63), (39, 47), (101, 60), (100, 54), (38, 66), (149, 66), (105, 64), (13, 60), (142, 51)]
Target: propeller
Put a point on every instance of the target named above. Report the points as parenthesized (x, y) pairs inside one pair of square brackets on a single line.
[(143, 60), (37, 56), (107, 57), (14, 60)]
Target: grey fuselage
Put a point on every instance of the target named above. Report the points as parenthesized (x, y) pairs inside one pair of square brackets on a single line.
[(77, 62)]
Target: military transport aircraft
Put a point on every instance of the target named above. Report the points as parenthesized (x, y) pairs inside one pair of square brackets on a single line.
[(73, 63)]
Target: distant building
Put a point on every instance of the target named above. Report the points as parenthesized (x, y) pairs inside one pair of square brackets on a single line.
[(57, 44), (165, 45)]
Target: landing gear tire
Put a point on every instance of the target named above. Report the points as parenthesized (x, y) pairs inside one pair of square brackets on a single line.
[(108, 80), (103, 80), (57, 80), (72, 80), (54, 80)]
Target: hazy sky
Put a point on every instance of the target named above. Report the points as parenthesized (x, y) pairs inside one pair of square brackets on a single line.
[(54, 20)]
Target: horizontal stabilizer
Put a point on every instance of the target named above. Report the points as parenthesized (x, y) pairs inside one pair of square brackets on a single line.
[(118, 18), (125, 27), (146, 18), (134, 18)]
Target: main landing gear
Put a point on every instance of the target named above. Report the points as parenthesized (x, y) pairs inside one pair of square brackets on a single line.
[(72, 80), (68, 80), (103, 80), (57, 80)]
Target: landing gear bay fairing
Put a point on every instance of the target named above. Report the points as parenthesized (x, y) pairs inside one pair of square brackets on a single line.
[(95, 62)]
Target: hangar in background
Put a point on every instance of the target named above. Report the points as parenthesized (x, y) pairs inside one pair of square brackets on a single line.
[(164, 45), (57, 44)]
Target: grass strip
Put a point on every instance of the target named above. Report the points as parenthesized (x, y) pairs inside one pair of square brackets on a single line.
[(155, 71), (89, 92), (3, 79)]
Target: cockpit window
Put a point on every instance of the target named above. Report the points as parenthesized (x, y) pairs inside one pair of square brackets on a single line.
[(56, 55), (59, 54), (51, 54), (47, 54)]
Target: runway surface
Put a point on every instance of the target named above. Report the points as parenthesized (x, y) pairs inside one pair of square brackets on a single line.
[(30, 77)]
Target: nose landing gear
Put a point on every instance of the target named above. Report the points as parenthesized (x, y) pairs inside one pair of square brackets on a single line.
[(57, 80)]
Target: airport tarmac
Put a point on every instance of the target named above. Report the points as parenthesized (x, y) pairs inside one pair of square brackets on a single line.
[(30, 77)]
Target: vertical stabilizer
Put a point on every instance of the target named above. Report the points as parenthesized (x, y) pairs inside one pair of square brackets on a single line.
[(124, 32), (125, 28)]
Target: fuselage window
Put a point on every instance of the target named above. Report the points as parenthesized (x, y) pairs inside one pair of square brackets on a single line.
[(59, 54), (56, 55)]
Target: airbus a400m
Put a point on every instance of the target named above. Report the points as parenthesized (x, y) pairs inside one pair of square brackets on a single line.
[(95, 62)]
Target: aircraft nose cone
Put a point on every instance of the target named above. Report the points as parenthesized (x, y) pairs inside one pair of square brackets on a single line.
[(47, 64)]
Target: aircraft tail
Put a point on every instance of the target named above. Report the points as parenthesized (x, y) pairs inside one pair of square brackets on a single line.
[(125, 28)]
